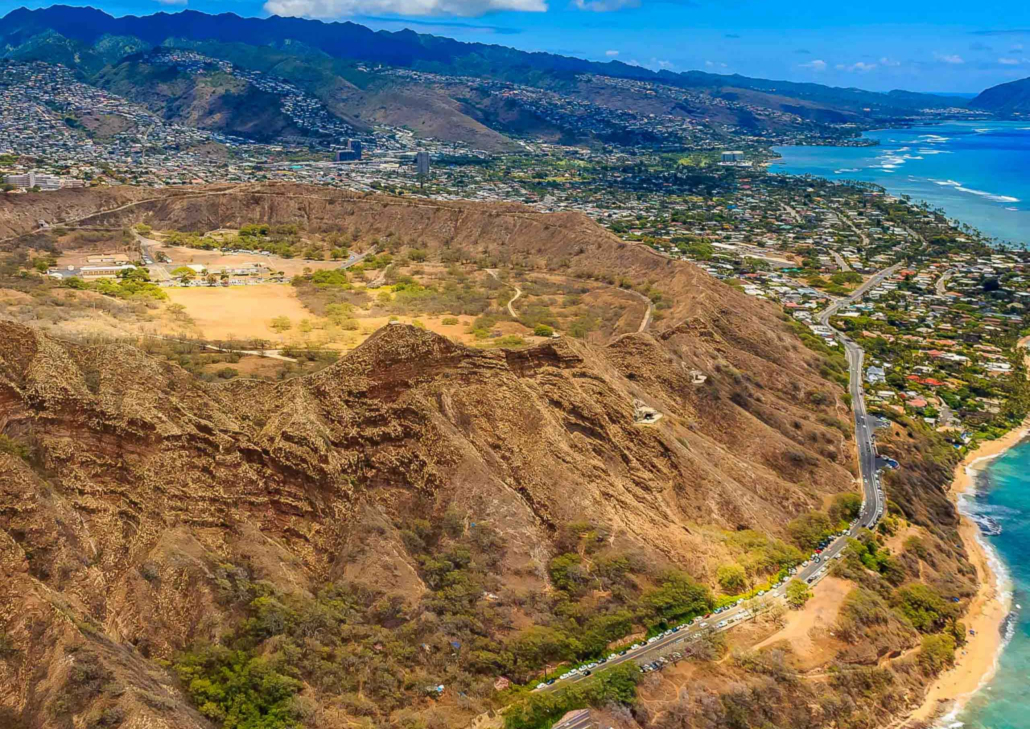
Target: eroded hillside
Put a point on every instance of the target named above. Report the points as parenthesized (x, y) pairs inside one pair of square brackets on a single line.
[(418, 514)]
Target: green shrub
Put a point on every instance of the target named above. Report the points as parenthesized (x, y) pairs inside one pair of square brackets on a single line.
[(238, 690), (936, 653), (924, 607), (797, 594), (539, 711), (732, 578), (808, 530)]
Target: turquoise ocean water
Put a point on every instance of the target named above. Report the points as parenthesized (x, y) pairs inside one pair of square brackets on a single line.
[(1003, 495), (979, 173)]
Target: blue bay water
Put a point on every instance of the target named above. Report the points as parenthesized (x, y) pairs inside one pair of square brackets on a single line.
[(977, 172), (1004, 702)]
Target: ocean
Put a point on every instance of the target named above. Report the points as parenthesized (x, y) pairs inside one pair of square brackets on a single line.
[(977, 172), (1003, 497)]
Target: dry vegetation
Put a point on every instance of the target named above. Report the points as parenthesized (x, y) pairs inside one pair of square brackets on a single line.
[(187, 545)]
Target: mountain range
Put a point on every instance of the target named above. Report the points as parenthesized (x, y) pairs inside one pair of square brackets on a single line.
[(465, 101), (406, 49)]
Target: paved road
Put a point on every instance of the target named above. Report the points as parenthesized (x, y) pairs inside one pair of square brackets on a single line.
[(148, 248), (841, 263), (942, 283), (872, 508), (872, 499), (356, 258), (847, 221)]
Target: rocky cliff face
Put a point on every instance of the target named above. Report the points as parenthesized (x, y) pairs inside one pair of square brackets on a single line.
[(127, 482)]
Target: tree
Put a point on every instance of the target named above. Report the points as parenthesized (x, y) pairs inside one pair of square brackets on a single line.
[(281, 324), (936, 653), (542, 330), (845, 507), (809, 529), (798, 594), (924, 607), (567, 572), (732, 578), (538, 645), (678, 596)]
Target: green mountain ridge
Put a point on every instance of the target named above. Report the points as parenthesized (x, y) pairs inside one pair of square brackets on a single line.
[(1010, 99), (465, 103)]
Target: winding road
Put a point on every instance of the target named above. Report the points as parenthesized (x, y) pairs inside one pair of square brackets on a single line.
[(941, 287), (872, 508), (511, 308)]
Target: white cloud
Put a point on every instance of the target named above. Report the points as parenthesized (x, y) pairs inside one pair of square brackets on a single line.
[(1008, 61), (344, 8), (889, 62), (604, 6), (661, 65), (173, 2), (952, 58), (611, 54), (715, 64), (815, 65), (860, 67)]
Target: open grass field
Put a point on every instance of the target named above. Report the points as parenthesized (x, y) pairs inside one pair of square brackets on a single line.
[(236, 312)]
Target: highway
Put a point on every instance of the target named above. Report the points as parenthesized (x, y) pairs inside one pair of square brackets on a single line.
[(872, 499), (872, 509)]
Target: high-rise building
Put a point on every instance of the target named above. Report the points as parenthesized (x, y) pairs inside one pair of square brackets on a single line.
[(44, 182), (732, 156), (352, 153), (422, 163)]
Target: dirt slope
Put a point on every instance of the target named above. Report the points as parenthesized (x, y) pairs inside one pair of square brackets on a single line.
[(130, 486)]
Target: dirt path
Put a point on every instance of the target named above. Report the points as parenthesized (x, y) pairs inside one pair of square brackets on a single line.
[(648, 315), (807, 630), (511, 309)]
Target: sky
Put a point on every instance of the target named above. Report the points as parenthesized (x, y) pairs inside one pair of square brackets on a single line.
[(948, 46)]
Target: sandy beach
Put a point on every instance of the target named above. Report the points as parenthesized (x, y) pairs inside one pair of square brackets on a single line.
[(976, 661)]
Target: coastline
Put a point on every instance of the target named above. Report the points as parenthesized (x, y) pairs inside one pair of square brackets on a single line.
[(977, 661)]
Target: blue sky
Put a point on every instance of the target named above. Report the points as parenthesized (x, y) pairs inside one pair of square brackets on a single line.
[(920, 45)]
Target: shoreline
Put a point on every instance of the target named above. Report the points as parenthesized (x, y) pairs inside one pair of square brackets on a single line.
[(977, 661)]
